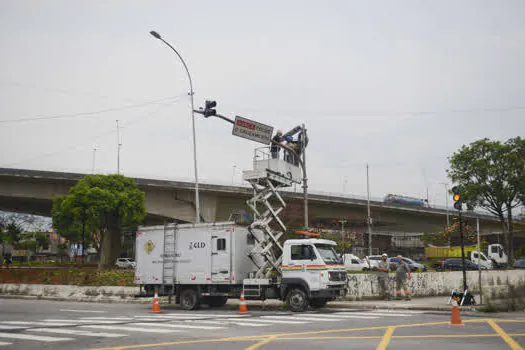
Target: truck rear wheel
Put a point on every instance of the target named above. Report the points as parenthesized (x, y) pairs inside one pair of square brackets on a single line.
[(318, 303), (297, 300), (189, 299)]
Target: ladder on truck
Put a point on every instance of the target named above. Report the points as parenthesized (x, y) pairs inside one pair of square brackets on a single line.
[(168, 266)]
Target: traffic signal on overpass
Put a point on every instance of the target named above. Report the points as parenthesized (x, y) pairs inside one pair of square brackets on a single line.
[(456, 195), (209, 109)]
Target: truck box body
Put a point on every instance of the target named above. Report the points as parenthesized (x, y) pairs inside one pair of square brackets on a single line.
[(193, 254)]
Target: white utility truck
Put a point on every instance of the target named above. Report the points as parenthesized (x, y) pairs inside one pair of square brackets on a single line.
[(209, 263)]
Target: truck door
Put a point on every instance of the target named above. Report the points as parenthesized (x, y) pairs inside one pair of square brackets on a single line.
[(221, 256)]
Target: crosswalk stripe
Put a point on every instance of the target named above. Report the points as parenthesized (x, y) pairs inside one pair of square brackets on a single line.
[(172, 325), (76, 332), (347, 316), (378, 310), (3, 343), (31, 337), (58, 324), (372, 314), (302, 318), (81, 321), (131, 329), (258, 320), (107, 318), (162, 317), (239, 323), (11, 327), (88, 311)]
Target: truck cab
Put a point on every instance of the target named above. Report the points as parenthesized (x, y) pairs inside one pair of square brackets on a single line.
[(312, 273), (481, 260)]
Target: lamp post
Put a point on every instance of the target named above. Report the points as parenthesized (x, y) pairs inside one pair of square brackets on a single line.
[(197, 203)]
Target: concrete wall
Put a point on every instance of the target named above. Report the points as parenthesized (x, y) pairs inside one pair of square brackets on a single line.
[(494, 284)]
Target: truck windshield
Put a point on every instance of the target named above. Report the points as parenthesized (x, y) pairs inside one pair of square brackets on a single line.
[(328, 254)]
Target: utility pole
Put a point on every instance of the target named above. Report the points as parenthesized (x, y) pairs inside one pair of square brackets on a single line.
[(479, 261), (368, 219), (305, 178), (119, 144), (93, 162), (343, 222)]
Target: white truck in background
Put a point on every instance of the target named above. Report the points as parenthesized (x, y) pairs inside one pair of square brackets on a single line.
[(209, 263)]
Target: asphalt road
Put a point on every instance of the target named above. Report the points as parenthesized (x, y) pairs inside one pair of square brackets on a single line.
[(32, 324)]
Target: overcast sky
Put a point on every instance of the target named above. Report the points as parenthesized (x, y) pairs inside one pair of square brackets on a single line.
[(398, 84)]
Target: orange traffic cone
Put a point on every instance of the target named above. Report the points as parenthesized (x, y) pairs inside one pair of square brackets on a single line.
[(455, 320), (155, 309), (243, 309)]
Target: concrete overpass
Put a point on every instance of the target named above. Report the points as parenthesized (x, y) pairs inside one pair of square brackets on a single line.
[(32, 191)]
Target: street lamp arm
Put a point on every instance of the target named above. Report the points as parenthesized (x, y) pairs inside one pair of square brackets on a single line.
[(181, 59)]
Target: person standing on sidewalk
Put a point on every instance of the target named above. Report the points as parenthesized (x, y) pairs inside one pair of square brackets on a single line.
[(402, 278), (382, 277)]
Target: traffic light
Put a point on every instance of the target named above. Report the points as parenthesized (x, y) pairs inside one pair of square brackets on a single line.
[(209, 110), (456, 195)]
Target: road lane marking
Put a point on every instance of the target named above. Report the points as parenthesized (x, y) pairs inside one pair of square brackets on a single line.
[(2, 343), (88, 311), (386, 338), (32, 337), (172, 325), (510, 342), (131, 329), (302, 318), (76, 332), (262, 342)]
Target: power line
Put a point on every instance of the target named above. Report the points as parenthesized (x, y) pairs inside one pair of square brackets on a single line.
[(91, 113), (96, 138)]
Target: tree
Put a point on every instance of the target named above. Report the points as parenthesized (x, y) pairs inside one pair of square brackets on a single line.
[(102, 204), (487, 172), (33, 240)]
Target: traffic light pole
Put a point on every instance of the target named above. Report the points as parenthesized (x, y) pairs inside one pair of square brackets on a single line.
[(462, 253)]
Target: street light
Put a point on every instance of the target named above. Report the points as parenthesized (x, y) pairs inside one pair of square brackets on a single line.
[(197, 203)]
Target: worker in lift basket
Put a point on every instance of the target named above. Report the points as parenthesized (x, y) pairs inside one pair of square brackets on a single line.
[(274, 149), (382, 277)]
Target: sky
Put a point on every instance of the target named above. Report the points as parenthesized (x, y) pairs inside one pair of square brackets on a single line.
[(398, 85)]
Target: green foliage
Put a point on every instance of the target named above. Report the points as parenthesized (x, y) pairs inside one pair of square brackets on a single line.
[(100, 204), (32, 241), (491, 175)]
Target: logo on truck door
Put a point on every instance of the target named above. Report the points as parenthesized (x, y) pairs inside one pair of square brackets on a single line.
[(197, 245), (149, 246)]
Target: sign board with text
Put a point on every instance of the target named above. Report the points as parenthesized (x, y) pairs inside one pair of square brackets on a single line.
[(252, 130)]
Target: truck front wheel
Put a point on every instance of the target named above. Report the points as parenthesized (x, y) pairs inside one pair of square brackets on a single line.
[(297, 300), (189, 299)]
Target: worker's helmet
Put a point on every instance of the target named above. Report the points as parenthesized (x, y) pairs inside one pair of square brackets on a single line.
[(289, 139), (384, 255)]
